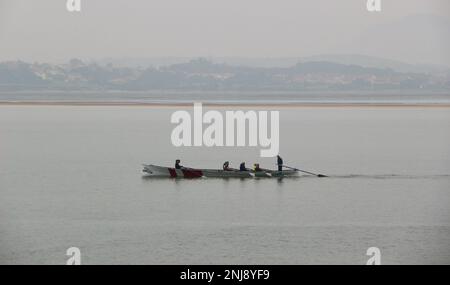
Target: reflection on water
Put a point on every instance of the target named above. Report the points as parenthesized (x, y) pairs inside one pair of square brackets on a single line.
[(349, 176)]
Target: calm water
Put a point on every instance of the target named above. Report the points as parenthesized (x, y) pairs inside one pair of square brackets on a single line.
[(265, 97), (71, 176)]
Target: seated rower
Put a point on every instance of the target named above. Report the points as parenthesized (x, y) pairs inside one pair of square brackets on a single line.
[(177, 164), (242, 167), (226, 166), (257, 168)]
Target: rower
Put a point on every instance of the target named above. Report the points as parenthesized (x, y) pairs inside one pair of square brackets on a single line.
[(226, 166), (257, 168), (177, 164), (280, 163), (242, 167)]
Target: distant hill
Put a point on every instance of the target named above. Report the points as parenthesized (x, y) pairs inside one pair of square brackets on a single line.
[(276, 62), (377, 62), (202, 74)]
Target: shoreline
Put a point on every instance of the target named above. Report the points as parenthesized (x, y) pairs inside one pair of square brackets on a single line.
[(212, 104)]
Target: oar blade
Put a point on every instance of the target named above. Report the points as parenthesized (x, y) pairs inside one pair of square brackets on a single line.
[(304, 171)]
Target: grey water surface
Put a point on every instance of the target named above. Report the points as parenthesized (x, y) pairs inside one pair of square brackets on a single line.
[(71, 176)]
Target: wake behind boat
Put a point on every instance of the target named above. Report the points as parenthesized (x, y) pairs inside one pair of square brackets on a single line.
[(170, 172)]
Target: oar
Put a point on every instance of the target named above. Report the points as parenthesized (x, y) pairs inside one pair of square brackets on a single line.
[(293, 168)]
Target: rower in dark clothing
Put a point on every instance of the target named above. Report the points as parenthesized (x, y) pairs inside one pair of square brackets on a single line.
[(177, 164), (280, 163), (257, 168), (242, 167)]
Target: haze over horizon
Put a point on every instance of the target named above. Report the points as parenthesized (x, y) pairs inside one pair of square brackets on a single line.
[(411, 31)]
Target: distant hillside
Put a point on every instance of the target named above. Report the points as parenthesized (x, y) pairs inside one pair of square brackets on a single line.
[(201, 74), (370, 61), (277, 62)]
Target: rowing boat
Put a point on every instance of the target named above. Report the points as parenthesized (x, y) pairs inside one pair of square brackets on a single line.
[(170, 172)]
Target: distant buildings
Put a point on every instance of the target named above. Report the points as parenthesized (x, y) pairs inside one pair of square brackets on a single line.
[(204, 75)]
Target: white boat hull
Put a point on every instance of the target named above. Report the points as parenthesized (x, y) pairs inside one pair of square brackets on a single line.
[(170, 172)]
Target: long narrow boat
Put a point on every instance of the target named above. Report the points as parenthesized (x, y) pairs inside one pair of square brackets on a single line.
[(170, 172)]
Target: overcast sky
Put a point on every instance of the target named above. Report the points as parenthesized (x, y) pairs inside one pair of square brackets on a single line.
[(414, 31)]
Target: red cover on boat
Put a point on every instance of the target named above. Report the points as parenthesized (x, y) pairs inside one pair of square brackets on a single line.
[(192, 173)]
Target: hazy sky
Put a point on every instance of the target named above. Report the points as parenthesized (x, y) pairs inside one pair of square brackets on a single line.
[(415, 31)]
